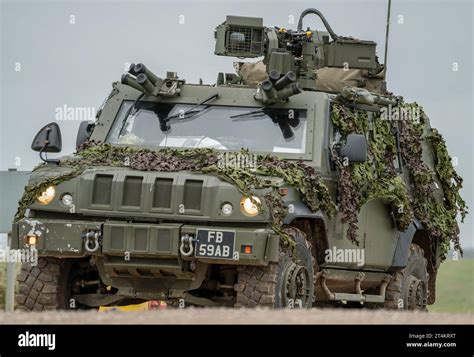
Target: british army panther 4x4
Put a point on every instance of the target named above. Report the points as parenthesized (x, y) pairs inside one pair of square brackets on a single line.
[(297, 181)]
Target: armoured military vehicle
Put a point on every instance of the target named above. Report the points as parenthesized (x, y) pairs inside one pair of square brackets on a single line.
[(297, 181)]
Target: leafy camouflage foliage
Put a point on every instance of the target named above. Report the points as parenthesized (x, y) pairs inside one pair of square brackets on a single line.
[(450, 180), (375, 178), (360, 182), (247, 179), (438, 214), (32, 191)]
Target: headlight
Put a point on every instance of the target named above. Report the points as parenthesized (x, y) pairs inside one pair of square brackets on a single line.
[(249, 206), (46, 196)]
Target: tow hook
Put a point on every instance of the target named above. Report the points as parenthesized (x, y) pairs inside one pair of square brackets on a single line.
[(91, 241), (186, 248)]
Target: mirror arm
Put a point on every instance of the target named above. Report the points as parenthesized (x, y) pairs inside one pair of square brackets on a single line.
[(52, 161), (48, 161)]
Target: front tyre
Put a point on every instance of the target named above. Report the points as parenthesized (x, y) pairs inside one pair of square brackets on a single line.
[(288, 283), (44, 286)]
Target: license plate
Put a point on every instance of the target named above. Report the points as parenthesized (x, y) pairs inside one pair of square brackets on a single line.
[(215, 244)]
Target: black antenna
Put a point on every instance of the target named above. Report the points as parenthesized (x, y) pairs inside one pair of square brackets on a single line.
[(386, 39)]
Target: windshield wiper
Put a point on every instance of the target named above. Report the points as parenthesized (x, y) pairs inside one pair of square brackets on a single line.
[(255, 113), (278, 116), (192, 111)]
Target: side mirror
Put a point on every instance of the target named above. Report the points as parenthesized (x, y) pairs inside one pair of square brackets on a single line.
[(84, 132), (355, 148), (48, 139)]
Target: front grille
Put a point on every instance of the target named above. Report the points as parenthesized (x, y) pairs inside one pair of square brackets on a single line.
[(192, 194), (142, 194), (140, 240), (132, 191), (102, 191), (163, 243), (162, 193), (118, 237)]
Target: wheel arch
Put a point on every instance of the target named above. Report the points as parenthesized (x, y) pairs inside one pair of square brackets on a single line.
[(313, 224), (417, 234)]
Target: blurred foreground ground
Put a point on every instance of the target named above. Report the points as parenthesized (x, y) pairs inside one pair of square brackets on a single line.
[(454, 305), (230, 316)]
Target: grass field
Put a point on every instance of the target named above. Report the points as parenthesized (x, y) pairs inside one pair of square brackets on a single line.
[(455, 287)]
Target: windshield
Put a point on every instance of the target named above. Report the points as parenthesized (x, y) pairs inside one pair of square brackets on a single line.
[(219, 127)]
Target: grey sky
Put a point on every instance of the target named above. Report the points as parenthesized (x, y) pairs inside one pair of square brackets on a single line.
[(74, 64)]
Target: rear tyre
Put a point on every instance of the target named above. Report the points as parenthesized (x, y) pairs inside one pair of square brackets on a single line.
[(44, 286), (408, 289), (288, 283)]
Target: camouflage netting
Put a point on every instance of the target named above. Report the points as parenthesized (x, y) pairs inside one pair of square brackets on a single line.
[(438, 215), (302, 177), (358, 183), (378, 177)]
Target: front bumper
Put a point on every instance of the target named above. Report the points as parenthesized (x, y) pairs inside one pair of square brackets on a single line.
[(147, 241)]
